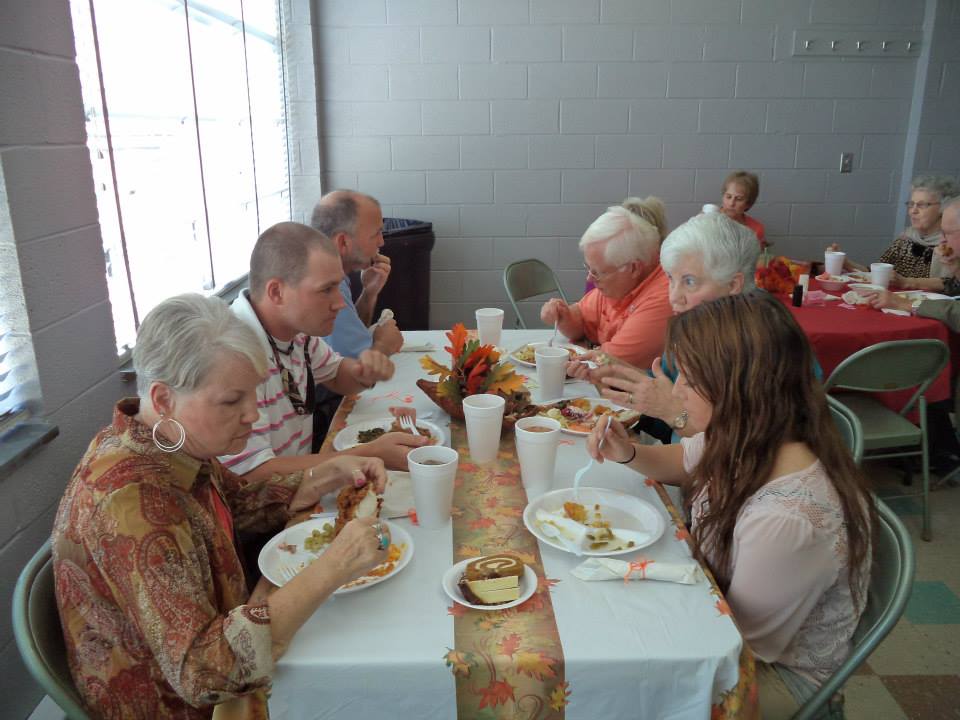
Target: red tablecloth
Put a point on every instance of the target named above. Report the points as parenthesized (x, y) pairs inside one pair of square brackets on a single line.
[(836, 333)]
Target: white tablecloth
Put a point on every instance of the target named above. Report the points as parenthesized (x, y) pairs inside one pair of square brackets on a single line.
[(640, 650)]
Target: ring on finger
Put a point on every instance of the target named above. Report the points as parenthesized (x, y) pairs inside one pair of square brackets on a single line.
[(383, 542)]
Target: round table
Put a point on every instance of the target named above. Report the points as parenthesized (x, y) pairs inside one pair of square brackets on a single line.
[(836, 331)]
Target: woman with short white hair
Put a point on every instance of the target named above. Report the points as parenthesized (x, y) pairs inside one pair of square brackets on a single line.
[(708, 257), (149, 582), (626, 313)]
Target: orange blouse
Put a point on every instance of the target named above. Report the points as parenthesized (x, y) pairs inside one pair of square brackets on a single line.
[(631, 328), (149, 584)]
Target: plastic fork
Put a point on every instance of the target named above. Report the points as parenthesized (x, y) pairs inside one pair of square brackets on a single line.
[(583, 471), (556, 323), (287, 573), (408, 424)]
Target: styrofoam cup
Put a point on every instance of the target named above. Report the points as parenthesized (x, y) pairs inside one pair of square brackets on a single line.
[(484, 416), (551, 371), (433, 483), (833, 262), (489, 325), (881, 273), (537, 452), (710, 208)]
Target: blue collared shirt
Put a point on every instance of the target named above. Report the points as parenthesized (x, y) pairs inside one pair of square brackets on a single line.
[(350, 336)]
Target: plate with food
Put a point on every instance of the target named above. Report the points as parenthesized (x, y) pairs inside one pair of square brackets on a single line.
[(916, 296), (595, 521), (524, 354), (577, 416), (492, 582), (367, 430), (860, 276), (833, 283), (297, 546)]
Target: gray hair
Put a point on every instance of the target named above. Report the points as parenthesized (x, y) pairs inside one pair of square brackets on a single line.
[(182, 338), (949, 203), (336, 212), (628, 236), (282, 252), (725, 246), (942, 186)]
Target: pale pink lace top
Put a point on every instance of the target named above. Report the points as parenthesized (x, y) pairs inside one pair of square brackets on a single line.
[(789, 591)]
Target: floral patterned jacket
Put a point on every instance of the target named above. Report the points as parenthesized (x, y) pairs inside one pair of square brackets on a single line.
[(149, 584)]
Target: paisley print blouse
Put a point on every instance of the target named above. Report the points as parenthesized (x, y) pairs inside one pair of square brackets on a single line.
[(149, 585)]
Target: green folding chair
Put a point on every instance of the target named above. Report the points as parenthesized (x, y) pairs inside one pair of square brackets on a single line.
[(891, 582), (849, 427), (526, 279), (36, 627), (887, 367)]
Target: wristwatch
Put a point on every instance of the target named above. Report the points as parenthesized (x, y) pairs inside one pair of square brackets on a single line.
[(681, 421)]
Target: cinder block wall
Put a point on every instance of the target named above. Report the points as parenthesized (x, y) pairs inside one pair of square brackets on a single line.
[(511, 124), (53, 224)]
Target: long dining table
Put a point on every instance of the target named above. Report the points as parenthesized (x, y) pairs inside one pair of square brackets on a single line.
[(403, 649)]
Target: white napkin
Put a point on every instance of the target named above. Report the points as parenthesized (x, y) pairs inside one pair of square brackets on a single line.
[(573, 535), (611, 569), (398, 495), (417, 347)]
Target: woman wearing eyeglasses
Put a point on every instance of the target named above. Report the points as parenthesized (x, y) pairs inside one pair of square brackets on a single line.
[(626, 313), (914, 254)]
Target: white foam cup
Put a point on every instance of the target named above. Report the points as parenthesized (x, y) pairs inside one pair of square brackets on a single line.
[(710, 208), (537, 451), (881, 273), (433, 483), (489, 325), (833, 262), (551, 371), (484, 416)]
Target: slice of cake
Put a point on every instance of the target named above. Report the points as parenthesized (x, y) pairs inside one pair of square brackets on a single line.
[(492, 580)]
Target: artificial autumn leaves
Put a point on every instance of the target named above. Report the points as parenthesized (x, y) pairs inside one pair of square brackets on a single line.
[(475, 369)]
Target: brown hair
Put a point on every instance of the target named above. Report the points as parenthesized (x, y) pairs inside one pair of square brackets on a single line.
[(650, 209), (747, 180), (746, 355), (282, 251)]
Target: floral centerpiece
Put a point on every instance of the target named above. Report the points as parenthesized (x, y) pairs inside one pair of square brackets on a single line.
[(474, 368), (780, 274)]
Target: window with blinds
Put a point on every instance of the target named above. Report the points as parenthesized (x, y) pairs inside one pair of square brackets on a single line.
[(186, 125)]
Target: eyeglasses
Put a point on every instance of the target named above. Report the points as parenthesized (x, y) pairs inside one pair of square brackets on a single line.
[(591, 273), (910, 205)]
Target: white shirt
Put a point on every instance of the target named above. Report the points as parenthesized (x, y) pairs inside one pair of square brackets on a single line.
[(279, 431)]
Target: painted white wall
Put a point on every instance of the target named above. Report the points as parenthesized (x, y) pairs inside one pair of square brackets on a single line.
[(53, 216), (511, 124)]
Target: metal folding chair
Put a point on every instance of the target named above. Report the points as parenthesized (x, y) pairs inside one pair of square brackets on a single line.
[(526, 279)]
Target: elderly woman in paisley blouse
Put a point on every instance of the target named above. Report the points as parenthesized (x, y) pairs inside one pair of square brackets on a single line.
[(156, 613)]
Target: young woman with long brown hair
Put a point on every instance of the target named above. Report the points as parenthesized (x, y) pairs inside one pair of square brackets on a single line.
[(780, 513)]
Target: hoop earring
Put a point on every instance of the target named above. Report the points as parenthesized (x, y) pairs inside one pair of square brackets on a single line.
[(175, 446)]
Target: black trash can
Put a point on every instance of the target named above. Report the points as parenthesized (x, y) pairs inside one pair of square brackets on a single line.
[(408, 244)]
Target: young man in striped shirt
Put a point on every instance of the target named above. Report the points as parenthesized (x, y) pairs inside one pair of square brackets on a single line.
[(292, 302)]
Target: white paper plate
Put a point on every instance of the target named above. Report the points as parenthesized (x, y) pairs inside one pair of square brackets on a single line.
[(923, 295), (272, 558), (576, 349), (622, 510), (347, 438), (528, 585), (632, 415)]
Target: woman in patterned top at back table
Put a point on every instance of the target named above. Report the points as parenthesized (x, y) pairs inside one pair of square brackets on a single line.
[(156, 614), (780, 513)]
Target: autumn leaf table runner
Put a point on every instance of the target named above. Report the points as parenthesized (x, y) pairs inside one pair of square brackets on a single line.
[(575, 650)]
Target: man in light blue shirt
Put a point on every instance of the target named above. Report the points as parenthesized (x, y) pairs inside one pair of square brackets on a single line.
[(354, 222)]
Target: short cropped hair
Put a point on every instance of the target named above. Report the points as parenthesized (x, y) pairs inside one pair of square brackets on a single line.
[(628, 236), (282, 252), (748, 181), (942, 186), (183, 338), (725, 246), (949, 203), (336, 212), (650, 209)]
